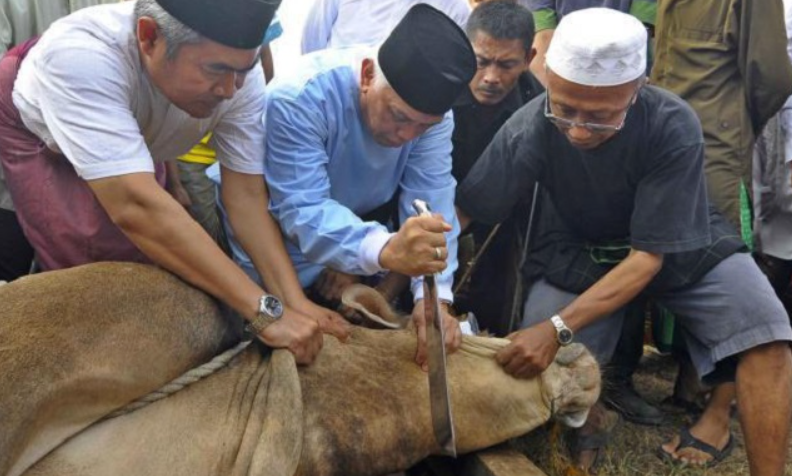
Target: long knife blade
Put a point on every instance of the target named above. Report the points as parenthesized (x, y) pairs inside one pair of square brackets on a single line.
[(439, 396)]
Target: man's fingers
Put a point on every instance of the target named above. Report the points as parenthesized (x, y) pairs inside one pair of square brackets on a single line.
[(305, 352), (434, 224), (341, 327), (505, 354), (517, 366), (526, 370), (457, 343), (432, 267), (453, 333)]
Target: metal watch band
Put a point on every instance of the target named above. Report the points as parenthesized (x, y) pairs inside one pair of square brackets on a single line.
[(564, 334), (259, 323)]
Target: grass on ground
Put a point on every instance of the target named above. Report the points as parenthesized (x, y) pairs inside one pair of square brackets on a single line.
[(633, 447)]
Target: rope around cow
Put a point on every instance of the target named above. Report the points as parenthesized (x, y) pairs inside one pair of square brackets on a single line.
[(186, 379)]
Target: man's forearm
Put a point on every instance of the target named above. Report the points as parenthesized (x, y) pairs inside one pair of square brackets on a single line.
[(246, 201), (164, 231), (614, 290)]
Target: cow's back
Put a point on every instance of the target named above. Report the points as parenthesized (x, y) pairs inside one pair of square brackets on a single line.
[(77, 344)]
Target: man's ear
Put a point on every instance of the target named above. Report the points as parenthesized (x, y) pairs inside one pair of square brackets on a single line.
[(367, 72), (529, 56), (147, 35)]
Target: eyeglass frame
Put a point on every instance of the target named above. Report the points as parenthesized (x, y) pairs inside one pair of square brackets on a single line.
[(594, 128)]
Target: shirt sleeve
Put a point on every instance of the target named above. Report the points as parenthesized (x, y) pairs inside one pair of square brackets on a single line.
[(325, 231), (670, 213), (428, 177), (239, 134), (504, 173), (760, 32), (84, 99), (318, 25)]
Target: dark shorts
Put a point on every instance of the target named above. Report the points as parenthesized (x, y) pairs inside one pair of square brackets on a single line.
[(731, 309)]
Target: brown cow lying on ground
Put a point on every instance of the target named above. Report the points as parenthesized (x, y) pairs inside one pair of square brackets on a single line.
[(77, 344)]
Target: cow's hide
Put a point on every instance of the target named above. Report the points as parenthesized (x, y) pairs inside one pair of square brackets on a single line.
[(77, 344)]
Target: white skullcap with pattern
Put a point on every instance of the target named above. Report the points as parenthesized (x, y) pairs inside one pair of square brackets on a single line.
[(598, 47)]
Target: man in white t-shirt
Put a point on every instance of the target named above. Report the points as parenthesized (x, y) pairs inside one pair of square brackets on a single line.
[(343, 23), (87, 112), (21, 20)]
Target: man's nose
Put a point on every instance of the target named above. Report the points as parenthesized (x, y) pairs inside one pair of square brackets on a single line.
[(227, 85), (491, 75), (578, 132)]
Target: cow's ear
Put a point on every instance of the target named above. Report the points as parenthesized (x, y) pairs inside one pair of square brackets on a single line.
[(373, 307)]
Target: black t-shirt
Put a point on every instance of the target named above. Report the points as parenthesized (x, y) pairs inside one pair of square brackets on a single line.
[(644, 187), (476, 124)]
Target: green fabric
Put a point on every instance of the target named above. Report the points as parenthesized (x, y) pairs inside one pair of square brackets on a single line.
[(644, 11), (611, 253), (746, 217), (663, 327), (545, 19), (722, 58)]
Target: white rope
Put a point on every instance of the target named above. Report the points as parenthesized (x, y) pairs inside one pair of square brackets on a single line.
[(185, 380)]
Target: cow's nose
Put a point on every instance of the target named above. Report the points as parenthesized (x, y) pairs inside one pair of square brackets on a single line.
[(573, 419)]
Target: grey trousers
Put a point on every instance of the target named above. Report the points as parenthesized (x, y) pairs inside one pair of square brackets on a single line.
[(731, 309)]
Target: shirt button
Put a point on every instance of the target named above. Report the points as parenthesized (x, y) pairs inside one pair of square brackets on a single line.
[(724, 125)]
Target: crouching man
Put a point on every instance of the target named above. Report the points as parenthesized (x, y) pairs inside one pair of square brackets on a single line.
[(622, 165)]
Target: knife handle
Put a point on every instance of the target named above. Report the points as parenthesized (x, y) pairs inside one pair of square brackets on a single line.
[(421, 207)]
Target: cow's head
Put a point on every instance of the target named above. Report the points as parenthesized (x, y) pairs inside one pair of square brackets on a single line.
[(575, 388)]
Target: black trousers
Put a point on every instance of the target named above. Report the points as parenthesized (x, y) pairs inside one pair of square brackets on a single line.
[(16, 254)]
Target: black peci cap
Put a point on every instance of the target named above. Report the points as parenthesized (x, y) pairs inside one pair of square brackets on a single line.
[(428, 60), (235, 23)]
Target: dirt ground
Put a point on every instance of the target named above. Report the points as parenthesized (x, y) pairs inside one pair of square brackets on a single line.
[(633, 447)]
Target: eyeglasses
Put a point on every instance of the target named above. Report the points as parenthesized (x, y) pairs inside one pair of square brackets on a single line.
[(566, 124)]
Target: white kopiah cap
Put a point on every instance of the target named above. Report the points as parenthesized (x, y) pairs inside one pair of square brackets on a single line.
[(598, 47)]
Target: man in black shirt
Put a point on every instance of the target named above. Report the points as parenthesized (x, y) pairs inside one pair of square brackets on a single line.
[(501, 33), (622, 165)]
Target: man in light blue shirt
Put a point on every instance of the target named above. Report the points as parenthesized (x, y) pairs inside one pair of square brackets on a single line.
[(349, 129)]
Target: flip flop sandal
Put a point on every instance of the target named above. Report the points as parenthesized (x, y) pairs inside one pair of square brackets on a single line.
[(687, 440)]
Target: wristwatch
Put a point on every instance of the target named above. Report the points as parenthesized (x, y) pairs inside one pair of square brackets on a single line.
[(564, 334), (269, 311)]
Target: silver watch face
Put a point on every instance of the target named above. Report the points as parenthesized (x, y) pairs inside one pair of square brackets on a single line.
[(565, 336), (272, 306)]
